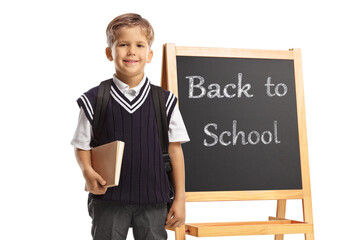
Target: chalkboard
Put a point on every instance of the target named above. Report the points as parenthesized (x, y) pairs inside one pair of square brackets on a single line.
[(244, 110), (241, 116)]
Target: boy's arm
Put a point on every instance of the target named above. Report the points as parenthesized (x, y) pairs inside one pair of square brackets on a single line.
[(94, 182), (178, 172), (178, 178)]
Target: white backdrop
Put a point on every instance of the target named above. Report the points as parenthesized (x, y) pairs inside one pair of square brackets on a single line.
[(53, 51)]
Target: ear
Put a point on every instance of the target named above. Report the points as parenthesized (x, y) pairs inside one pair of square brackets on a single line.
[(108, 53), (149, 57)]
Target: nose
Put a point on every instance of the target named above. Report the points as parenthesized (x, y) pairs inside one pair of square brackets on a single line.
[(131, 51)]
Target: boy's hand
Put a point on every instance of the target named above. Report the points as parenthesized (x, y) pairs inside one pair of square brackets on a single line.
[(94, 182), (176, 215)]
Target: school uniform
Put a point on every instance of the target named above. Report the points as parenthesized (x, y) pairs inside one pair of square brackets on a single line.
[(130, 117)]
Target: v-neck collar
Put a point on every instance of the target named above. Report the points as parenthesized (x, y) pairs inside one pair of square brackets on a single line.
[(123, 87), (133, 105)]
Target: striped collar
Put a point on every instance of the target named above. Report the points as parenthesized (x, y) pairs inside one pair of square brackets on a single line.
[(141, 91), (123, 87)]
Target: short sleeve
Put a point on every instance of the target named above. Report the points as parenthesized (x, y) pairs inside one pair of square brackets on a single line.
[(177, 129), (83, 132), (87, 102)]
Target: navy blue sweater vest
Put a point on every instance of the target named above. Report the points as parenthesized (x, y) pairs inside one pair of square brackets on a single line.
[(143, 179)]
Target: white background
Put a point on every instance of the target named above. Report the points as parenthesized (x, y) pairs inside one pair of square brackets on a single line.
[(53, 51)]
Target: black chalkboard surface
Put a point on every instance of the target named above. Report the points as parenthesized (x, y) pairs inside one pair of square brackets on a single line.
[(241, 116)]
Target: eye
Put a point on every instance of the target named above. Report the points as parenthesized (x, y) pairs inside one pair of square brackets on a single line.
[(122, 44), (140, 45)]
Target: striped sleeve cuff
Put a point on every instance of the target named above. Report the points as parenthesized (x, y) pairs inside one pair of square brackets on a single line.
[(87, 105), (170, 105)]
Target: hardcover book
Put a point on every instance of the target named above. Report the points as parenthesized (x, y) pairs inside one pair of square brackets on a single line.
[(106, 160)]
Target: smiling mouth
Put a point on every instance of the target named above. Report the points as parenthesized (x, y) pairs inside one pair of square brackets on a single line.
[(130, 61)]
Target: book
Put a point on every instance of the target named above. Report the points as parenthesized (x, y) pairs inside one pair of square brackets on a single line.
[(106, 161)]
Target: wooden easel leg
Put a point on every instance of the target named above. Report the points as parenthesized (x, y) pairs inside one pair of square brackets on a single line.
[(180, 233), (307, 209), (280, 213), (309, 236)]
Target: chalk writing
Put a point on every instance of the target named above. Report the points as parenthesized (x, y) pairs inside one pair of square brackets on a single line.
[(277, 92), (253, 138), (215, 89)]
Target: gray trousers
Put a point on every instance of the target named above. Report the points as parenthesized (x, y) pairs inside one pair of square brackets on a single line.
[(111, 221)]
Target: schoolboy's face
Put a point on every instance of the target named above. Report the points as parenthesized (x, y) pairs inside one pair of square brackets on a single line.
[(130, 53)]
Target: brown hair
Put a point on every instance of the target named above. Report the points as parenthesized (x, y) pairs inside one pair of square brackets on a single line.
[(129, 20)]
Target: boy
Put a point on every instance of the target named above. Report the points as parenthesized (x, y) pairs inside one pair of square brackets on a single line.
[(141, 198)]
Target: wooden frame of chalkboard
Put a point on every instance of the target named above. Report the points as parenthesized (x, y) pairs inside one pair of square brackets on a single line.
[(299, 190)]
